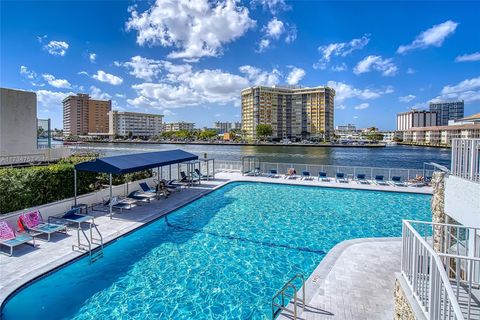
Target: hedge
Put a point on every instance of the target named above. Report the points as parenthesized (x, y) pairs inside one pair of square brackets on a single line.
[(26, 187)]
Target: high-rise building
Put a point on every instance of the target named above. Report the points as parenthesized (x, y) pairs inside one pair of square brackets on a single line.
[(223, 127), (177, 126), (293, 112), (453, 110), (82, 115), (138, 124), (415, 118), (346, 128)]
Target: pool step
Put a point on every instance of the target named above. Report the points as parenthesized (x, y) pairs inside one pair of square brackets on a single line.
[(277, 308)]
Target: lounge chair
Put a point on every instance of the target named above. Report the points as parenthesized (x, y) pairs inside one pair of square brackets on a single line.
[(397, 181), (116, 204), (146, 188), (306, 175), (72, 216), (340, 177), (173, 186), (199, 174), (323, 176), (379, 180), (11, 239), (361, 178), (32, 222), (141, 196), (418, 182), (273, 173), (254, 172), (291, 174)]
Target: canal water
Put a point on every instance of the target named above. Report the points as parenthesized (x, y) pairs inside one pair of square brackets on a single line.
[(389, 157)]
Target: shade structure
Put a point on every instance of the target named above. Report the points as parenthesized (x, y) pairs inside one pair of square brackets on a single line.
[(135, 162)]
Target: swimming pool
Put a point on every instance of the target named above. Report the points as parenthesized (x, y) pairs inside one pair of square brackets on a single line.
[(221, 257)]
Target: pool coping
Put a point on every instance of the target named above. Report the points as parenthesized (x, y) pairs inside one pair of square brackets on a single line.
[(11, 290)]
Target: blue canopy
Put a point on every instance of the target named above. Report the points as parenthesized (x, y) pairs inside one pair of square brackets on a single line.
[(135, 162)]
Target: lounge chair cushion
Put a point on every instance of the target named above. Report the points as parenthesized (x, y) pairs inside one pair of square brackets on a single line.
[(71, 214), (31, 219), (6, 233), (17, 240)]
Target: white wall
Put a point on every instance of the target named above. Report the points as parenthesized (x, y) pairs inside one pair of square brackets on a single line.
[(462, 200), (18, 122)]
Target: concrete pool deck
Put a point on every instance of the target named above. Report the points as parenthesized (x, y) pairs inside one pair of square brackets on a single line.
[(29, 263)]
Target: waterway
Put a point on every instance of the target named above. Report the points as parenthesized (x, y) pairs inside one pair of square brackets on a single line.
[(391, 156)]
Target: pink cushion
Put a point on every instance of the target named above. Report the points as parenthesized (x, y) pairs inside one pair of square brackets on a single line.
[(6, 233), (31, 219)]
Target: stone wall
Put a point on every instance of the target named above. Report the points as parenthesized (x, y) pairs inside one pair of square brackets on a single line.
[(438, 207), (403, 310)]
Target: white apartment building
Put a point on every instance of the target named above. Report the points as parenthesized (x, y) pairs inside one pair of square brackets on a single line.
[(415, 119), (139, 124), (178, 126), (223, 127)]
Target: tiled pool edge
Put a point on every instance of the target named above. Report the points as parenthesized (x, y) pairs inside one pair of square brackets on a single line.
[(12, 288)]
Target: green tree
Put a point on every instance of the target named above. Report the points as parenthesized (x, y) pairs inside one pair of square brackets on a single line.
[(264, 131)]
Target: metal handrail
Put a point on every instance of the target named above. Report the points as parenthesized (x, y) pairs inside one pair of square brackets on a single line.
[(425, 274), (281, 293)]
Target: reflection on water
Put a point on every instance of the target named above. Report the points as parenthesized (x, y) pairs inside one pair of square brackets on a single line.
[(394, 156)]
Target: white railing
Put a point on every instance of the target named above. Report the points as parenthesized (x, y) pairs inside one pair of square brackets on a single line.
[(314, 169), (443, 280), (466, 159)]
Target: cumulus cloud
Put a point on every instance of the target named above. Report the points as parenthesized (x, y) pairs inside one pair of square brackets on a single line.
[(295, 75), (274, 6), (195, 28), (377, 63), (56, 48), (468, 57), (143, 68), (107, 77), (29, 74), (257, 76), (50, 99), (339, 49), (345, 91), (435, 36), (97, 93), (362, 106), (274, 30), (92, 57), (57, 83), (407, 98), (467, 90), (340, 67)]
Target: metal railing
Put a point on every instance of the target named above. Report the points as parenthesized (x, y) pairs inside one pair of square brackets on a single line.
[(466, 159), (278, 307), (441, 265), (330, 170)]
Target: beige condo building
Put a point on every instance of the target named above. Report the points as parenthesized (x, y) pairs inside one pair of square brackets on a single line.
[(293, 112), (82, 115)]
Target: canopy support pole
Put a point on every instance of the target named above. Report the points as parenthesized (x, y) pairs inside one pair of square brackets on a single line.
[(110, 202), (169, 172), (75, 186)]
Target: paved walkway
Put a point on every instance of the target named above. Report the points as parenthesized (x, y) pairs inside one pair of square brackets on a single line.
[(354, 281)]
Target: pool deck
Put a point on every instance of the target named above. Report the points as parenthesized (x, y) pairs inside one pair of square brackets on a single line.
[(30, 262)]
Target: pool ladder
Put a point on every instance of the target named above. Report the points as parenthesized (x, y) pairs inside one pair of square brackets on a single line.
[(85, 243), (278, 308)]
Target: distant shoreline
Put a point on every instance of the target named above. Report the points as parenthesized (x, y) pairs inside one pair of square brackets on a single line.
[(377, 145)]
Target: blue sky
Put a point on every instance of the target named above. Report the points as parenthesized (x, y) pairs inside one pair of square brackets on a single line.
[(189, 61)]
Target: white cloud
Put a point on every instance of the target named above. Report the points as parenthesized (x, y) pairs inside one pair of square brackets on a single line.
[(263, 45), (468, 57), (57, 83), (467, 90), (119, 95), (274, 6), (340, 106), (51, 99), (369, 63), (431, 37), (340, 67), (167, 112), (362, 106), (56, 48), (341, 49), (196, 28), (407, 98), (257, 76), (143, 68), (345, 91), (274, 28), (29, 74), (295, 75), (92, 57), (411, 71), (291, 33), (107, 77), (97, 93)]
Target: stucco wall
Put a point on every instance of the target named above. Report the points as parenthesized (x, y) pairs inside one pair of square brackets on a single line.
[(462, 200), (18, 122)]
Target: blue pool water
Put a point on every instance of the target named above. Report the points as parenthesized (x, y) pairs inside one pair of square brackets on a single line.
[(221, 257)]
